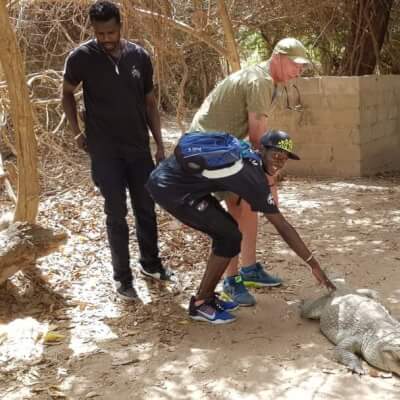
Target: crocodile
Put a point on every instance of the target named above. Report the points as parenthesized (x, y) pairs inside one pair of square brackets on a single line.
[(359, 326)]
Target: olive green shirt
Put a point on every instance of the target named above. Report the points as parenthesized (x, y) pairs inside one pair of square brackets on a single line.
[(226, 108)]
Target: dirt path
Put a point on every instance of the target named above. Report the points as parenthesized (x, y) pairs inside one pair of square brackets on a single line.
[(151, 351)]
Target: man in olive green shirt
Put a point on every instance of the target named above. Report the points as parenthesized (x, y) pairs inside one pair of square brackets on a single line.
[(240, 105), (227, 107)]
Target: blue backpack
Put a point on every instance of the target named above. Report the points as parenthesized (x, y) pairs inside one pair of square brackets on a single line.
[(197, 151)]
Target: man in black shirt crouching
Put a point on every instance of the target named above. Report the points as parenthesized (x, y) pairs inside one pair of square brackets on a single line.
[(188, 197), (120, 107)]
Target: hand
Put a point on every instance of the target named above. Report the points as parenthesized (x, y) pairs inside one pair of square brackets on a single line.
[(322, 278), (80, 140), (160, 154)]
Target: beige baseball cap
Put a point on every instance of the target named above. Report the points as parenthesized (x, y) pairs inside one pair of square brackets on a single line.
[(294, 49)]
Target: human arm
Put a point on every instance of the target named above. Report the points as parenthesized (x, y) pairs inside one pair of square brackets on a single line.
[(69, 105), (258, 102), (257, 128), (294, 241), (153, 120)]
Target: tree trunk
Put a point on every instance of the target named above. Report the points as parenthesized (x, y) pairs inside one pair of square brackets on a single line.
[(233, 54), (369, 22), (22, 243), (5, 178), (22, 116)]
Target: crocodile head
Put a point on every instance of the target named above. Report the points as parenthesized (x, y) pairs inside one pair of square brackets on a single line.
[(389, 355)]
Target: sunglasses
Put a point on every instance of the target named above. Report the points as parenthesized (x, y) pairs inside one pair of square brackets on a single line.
[(295, 97)]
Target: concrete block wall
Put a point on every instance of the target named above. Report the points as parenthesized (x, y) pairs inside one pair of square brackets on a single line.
[(349, 126), (380, 123)]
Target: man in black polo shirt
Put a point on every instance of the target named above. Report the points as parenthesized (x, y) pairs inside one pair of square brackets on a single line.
[(187, 196), (120, 107)]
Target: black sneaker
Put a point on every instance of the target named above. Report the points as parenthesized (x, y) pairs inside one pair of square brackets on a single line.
[(126, 291), (160, 273)]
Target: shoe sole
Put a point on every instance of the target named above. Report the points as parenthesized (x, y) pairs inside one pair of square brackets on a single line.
[(226, 297), (258, 285), (247, 305), (150, 275), (216, 322)]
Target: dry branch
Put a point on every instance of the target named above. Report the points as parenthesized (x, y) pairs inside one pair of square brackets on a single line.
[(233, 54), (369, 24), (199, 35)]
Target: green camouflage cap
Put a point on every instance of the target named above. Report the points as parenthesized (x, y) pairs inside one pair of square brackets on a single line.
[(292, 48)]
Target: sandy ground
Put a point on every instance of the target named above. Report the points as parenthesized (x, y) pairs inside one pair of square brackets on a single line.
[(63, 334)]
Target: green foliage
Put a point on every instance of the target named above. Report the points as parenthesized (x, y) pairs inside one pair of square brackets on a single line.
[(252, 48)]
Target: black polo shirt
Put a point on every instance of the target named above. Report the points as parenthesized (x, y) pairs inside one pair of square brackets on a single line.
[(171, 186), (114, 96)]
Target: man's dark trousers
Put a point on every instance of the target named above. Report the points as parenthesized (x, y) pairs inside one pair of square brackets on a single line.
[(113, 176)]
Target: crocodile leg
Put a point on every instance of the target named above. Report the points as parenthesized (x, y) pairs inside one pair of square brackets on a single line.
[(345, 353)]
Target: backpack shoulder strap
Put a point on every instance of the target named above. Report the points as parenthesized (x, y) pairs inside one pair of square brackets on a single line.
[(247, 152)]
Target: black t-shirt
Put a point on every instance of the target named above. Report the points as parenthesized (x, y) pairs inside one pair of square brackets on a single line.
[(114, 97), (171, 186)]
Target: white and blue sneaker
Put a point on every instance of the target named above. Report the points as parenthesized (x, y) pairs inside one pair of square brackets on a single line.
[(210, 311)]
